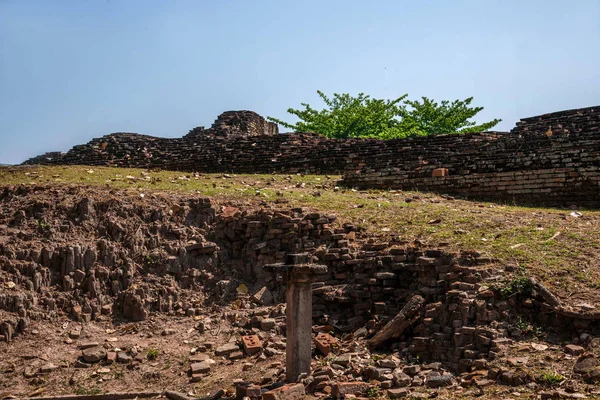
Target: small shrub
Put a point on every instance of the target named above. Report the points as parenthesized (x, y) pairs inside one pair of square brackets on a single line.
[(519, 286)]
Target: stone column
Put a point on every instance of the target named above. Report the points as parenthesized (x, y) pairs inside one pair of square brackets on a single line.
[(299, 275)]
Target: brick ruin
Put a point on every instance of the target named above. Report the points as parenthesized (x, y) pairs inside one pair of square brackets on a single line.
[(236, 124), (110, 261), (552, 159)]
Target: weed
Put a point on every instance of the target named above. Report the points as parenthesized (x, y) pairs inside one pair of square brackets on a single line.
[(373, 392), (152, 354), (550, 378), (520, 285), (42, 225)]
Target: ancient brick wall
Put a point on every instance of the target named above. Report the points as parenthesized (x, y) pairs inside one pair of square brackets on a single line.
[(553, 159)]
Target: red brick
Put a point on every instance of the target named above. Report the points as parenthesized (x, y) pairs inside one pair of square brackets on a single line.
[(323, 341), (252, 344), (111, 357), (292, 391), (343, 388), (397, 393), (440, 172), (247, 390)]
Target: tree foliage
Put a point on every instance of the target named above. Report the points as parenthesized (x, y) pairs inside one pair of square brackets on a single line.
[(346, 116)]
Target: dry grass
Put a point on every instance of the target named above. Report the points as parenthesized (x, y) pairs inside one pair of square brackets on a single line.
[(561, 250)]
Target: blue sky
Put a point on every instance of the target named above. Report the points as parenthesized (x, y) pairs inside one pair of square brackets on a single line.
[(72, 70)]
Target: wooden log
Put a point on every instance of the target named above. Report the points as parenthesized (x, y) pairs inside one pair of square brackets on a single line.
[(410, 313), (560, 308)]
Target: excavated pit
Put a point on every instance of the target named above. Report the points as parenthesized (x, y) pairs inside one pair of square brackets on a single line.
[(113, 255)]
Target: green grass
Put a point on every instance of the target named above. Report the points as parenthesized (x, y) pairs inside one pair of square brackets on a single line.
[(561, 251)]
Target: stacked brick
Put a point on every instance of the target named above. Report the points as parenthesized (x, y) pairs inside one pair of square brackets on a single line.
[(583, 120), (371, 280)]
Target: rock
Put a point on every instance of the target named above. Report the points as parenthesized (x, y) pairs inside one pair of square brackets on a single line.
[(74, 333), (168, 332), (434, 366), (267, 324), (87, 345), (374, 373), (226, 349), (397, 393), (348, 388), (201, 367), (81, 364), (46, 368), (270, 352), (292, 391), (236, 355), (387, 384), (263, 296), (574, 349), (387, 363), (411, 369), (93, 354), (539, 346), (200, 357), (247, 366), (111, 357), (592, 376), (124, 357), (585, 363), (343, 360), (400, 378), (436, 380)]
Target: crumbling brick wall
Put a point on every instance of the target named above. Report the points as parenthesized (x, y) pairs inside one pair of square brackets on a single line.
[(236, 124), (553, 159)]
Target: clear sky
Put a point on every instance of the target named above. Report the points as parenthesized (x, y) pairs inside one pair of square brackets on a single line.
[(72, 70)]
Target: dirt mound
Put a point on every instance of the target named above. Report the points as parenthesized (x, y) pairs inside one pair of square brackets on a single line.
[(91, 253)]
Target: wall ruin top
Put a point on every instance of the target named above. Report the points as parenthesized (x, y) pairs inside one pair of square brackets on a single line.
[(236, 124)]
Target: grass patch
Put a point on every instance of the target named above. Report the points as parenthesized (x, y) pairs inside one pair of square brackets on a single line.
[(548, 243)]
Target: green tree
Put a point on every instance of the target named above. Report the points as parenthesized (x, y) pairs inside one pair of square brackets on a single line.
[(346, 116)]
